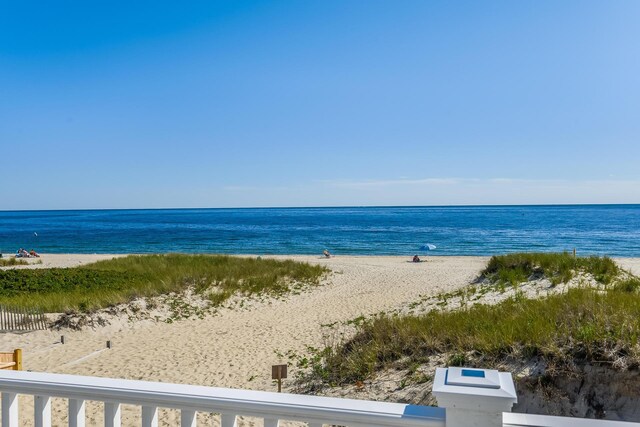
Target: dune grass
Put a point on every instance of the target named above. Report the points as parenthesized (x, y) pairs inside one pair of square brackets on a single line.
[(593, 324), (581, 323), (110, 282), (6, 262), (557, 267)]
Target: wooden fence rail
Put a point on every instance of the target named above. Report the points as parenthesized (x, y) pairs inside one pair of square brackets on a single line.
[(12, 360)]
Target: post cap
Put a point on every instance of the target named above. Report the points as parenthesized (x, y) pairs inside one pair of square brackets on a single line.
[(467, 377), (478, 389)]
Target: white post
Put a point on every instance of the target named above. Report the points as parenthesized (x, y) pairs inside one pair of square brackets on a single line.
[(9, 410), (42, 411), (111, 414), (227, 420), (474, 397), (270, 422), (187, 418), (149, 416), (76, 413)]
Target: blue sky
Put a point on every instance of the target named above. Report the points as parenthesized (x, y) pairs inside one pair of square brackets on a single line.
[(300, 103)]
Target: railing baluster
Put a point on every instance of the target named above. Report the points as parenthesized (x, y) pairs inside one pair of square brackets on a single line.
[(76, 413), (270, 422), (149, 416), (111, 414), (227, 420), (42, 411), (9, 409), (187, 418)]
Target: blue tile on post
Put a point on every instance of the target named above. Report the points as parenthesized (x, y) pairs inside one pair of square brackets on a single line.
[(472, 373)]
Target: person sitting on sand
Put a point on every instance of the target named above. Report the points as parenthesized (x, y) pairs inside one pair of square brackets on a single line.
[(34, 254), (22, 253), (416, 258), (326, 253)]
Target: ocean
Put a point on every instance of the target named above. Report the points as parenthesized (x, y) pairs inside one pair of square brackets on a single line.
[(475, 230)]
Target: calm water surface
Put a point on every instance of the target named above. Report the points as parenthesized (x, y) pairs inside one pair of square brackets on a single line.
[(592, 229)]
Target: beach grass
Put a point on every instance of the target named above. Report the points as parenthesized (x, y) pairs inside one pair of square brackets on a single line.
[(596, 324), (582, 323), (7, 262), (110, 282), (557, 267)]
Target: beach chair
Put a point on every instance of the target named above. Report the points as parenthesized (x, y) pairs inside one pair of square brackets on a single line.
[(11, 361)]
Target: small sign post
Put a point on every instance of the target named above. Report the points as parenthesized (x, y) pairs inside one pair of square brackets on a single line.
[(279, 372)]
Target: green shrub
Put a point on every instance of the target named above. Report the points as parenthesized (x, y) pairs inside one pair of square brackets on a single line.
[(118, 280)]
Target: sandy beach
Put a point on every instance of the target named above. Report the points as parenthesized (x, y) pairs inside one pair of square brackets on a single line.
[(237, 346)]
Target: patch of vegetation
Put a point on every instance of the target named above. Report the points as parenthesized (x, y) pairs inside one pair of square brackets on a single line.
[(629, 284), (582, 323), (110, 282), (5, 262), (181, 309), (557, 267)]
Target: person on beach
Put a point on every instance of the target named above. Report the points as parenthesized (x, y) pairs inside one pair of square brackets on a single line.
[(416, 258), (22, 253), (326, 254), (34, 254)]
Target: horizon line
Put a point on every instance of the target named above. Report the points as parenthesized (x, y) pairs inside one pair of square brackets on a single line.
[(325, 207)]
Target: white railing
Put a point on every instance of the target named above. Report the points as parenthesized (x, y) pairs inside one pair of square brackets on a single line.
[(470, 400), (529, 420), (190, 399)]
